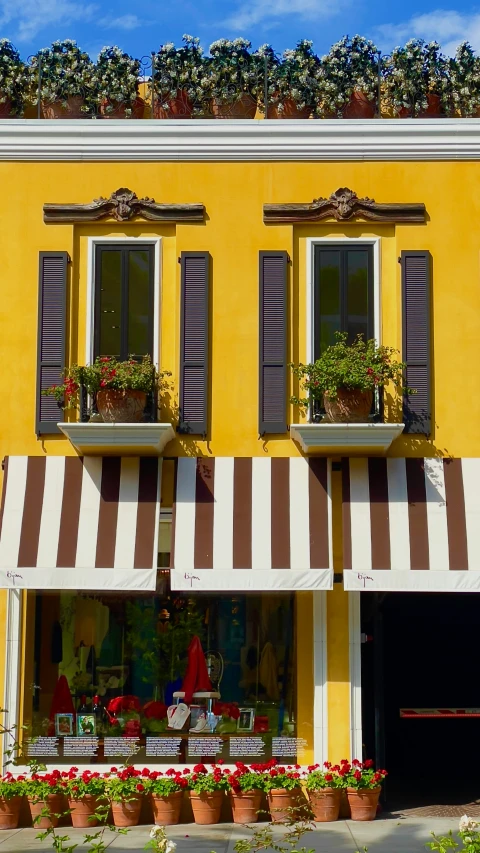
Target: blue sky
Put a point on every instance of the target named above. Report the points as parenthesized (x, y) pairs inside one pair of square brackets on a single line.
[(143, 26)]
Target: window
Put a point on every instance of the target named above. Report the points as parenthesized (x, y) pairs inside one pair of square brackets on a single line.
[(343, 293), (124, 294)]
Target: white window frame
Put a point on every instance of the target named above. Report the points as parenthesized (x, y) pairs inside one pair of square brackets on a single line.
[(341, 241), (93, 242)]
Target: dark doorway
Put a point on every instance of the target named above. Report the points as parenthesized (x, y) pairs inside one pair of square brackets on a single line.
[(422, 651)]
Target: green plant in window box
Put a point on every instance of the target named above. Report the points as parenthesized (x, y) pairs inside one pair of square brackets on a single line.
[(346, 375)]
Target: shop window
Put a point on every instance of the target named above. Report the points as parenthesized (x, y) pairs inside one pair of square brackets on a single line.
[(101, 671), (343, 293), (124, 299)]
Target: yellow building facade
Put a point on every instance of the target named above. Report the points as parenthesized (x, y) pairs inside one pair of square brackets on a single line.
[(234, 171)]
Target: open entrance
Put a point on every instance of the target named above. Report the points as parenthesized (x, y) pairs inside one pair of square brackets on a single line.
[(420, 693)]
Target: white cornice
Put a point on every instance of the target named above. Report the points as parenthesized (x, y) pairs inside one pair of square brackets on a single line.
[(123, 140)]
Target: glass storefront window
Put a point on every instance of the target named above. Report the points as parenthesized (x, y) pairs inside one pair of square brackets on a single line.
[(101, 671)]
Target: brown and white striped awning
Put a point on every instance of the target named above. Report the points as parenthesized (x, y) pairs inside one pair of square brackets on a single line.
[(252, 524), (73, 523), (411, 524)]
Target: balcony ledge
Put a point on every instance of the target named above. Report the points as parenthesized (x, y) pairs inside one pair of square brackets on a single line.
[(345, 439), (100, 439)]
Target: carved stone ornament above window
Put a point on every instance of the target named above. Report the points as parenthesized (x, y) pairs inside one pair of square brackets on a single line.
[(343, 205), (123, 205)]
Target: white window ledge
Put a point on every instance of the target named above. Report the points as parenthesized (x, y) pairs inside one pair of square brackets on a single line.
[(92, 439), (345, 439)]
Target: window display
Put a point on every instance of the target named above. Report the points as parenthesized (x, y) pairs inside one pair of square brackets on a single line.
[(168, 677)]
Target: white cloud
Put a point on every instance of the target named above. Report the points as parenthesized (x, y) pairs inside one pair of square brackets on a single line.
[(124, 22), (270, 11), (26, 19), (445, 26)]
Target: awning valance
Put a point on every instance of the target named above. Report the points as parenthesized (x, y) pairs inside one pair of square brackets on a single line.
[(79, 523), (411, 524), (252, 524)]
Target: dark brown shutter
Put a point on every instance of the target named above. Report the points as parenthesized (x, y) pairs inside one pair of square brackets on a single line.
[(52, 318), (195, 275), (273, 342), (417, 413)]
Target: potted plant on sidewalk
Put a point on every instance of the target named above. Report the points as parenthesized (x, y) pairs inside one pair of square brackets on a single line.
[(66, 80), (324, 786), (119, 388), (166, 795), (246, 786), (116, 79), (179, 80), (86, 794), (283, 788), (46, 798), (234, 78), (292, 84), (363, 784), (12, 790), (348, 79), (124, 789), (207, 790), (345, 377), (13, 80)]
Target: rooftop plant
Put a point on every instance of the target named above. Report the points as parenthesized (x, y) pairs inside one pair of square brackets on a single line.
[(294, 78), (116, 80), (180, 71), (233, 70), (351, 65), (65, 72), (465, 80), (13, 78), (413, 73)]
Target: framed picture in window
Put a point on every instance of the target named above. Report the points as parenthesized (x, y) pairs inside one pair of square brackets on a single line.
[(64, 725), (246, 720), (86, 725)]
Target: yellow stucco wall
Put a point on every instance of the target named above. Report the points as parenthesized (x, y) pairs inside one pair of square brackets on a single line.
[(233, 233)]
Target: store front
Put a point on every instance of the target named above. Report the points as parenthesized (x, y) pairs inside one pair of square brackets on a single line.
[(411, 543), (212, 658)]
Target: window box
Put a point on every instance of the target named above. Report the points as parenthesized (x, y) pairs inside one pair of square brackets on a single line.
[(100, 439), (372, 439)]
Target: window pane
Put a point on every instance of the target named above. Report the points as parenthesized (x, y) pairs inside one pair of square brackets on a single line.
[(328, 320), (139, 307), (110, 303), (357, 294)]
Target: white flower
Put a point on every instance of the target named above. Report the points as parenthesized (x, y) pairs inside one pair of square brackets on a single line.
[(467, 824), (157, 832), (170, 847)]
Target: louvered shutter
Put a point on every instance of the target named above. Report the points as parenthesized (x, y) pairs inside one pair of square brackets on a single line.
[(195, 273), (273, 342), (52, 318), (417, 414)]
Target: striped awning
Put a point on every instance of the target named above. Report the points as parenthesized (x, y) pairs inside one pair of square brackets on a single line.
[(411, 524), (252, 524), (79, 523)]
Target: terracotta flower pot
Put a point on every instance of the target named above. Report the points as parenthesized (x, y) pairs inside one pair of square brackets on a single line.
[(55, 803), (245, 806), (10, 812), (363, 802), (206, 807), (166, 810), (359, 106), (6, 109), (325, 804), (82, 811), (350, 406), (178, 107), (125, 407), (119, 109), (127, 812), (70, 108), (281, 803), (434, 109), (290, 111), (244, 107)]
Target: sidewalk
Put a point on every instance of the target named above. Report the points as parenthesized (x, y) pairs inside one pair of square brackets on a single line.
[(386, 835)]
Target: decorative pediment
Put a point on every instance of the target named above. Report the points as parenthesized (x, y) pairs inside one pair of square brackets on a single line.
[(344, 205), (123, 205)]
